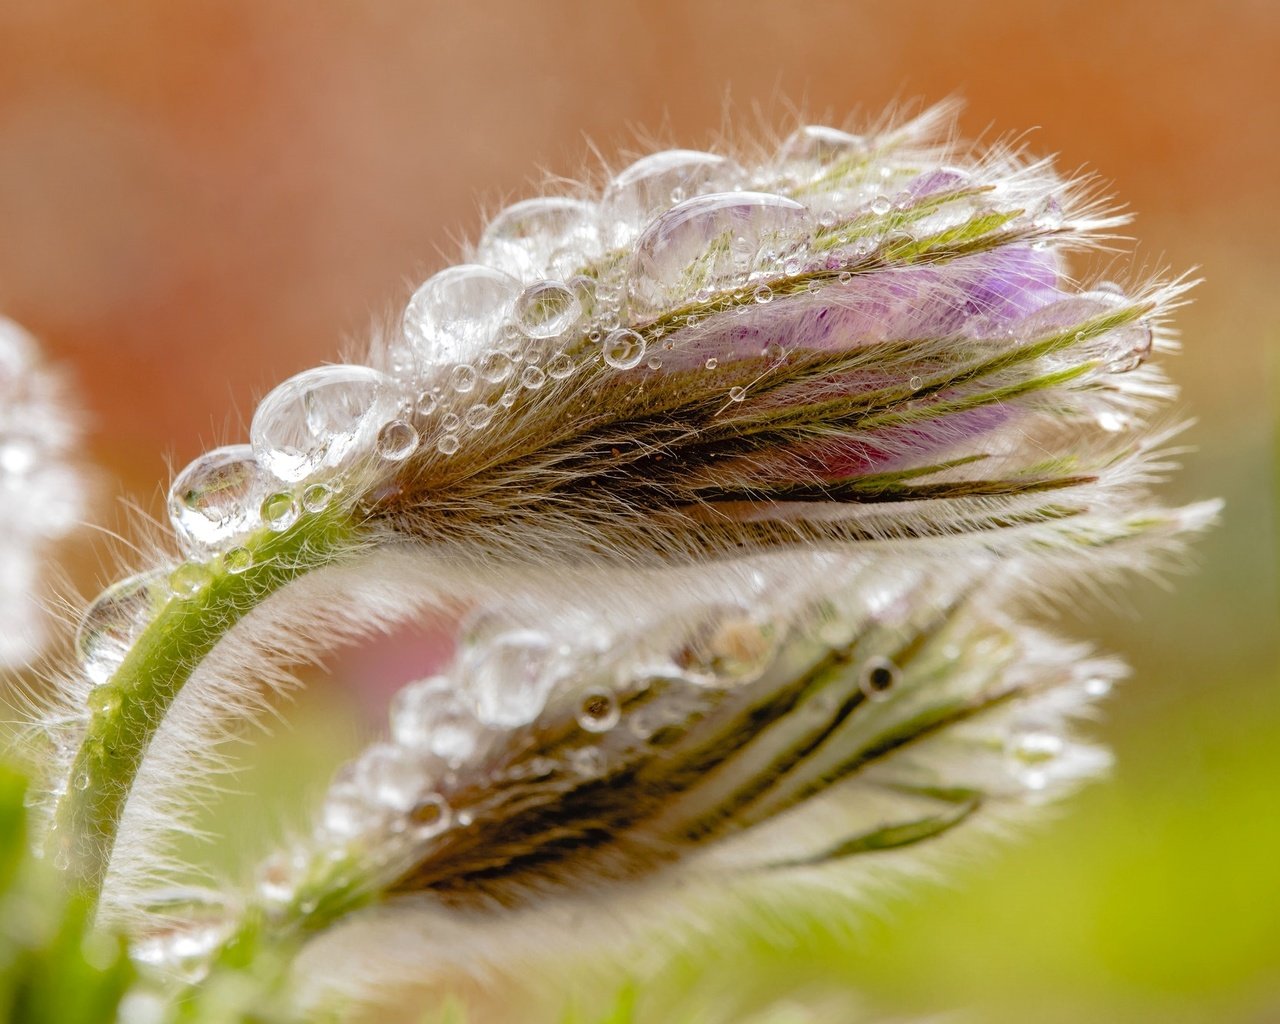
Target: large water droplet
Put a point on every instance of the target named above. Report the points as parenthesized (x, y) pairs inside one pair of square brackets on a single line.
[(713, 241), (653, 183), (547, 309), (214, 502), (509, 676), (322, 419), (546, 236), (113, 621), (431, 715), (457, 314)]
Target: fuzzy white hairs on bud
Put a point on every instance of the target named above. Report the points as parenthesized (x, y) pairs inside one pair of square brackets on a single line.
[(750, 468)]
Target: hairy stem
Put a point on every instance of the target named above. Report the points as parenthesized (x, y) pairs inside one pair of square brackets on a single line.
[(129, 707)]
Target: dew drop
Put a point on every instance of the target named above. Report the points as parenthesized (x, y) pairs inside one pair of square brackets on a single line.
[(809, 150), (397, 440), (346, 812), (763, 294), (547, 309), (430, 816), (877, 678), (560, 366), (188, 579), (526, 239), (495, 367), (391, 775), (112, 622), (450, 422), (655, 182), (321, 419), (713, 241), (457, 313), (533, 377), (215, 499), (793, 266), (279, 511), (1097, 686), (427, 402), (432, 716), (1112, 422), (316, 497), (737, 394), (881, 205), (598, 711), (915, 383), (711, 363), (509, 676), (237, 560), (479, 416), (623, 349), (447, 444), (462, 378)]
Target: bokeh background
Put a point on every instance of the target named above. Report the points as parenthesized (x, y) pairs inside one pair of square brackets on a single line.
[(198, 200)]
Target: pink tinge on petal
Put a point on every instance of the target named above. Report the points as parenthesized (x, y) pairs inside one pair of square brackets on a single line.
[(979, 296)]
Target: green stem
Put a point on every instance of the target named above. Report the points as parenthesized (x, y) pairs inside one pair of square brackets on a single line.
[(129, 707)]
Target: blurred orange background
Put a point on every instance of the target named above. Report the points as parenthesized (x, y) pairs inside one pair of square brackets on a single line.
[(198, 200)]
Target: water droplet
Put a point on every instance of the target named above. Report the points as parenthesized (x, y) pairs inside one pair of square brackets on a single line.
[(623, 349), (654, 182), (316, 497), (397, 440), (82, 780), (763, 294), (432, 716), (391, 775), (430, 816), (915, 383), (495, 367), (881, 205), (509, 676), (321, 419), (560, 366), (427, 402), (188, 579), (877, 677), (737, 394), (793, 266), (215, 499), (280, 511), (598, 711), (534, 236), (346, 812), (713, 241), (447, 444), (462, 378), (711, 363), (479, 416), (450, 422), (547, 309), (104, 701), (457, 313), (237, 560), (811, 149), (533, 377), (654, 363), (112, 622)]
